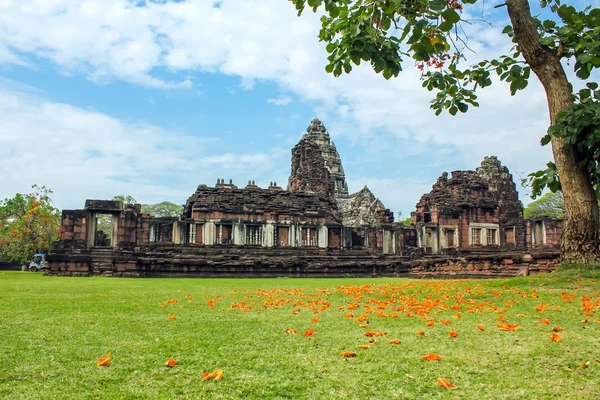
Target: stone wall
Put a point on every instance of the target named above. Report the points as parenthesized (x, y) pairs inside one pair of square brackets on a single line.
[(487, 265), (163, 260)]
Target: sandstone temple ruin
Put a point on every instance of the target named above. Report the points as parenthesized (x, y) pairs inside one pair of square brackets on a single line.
[(471, 223)]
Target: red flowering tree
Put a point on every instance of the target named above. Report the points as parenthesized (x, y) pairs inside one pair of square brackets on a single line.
[(28, 224)]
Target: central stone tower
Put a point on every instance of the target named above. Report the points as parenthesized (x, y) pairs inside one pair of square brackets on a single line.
[(317, 132)]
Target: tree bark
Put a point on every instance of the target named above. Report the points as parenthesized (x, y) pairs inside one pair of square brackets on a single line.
[(580, 239)]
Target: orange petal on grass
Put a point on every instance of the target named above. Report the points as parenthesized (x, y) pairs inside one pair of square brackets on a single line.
[(394, 341), (421, 333), (555, 337), (291, 331), (314, 320), (171, 362), (372, 340), (309, 332), (508, 327), (585, 365), (217, 375), (347, 354), (364, 325), (445, 384), (432, 357), (558, 329), (172, 317), (363, 346), (431, 323), (453, 334), (104, 361), (545, 322), (445, 321), (481, 328)]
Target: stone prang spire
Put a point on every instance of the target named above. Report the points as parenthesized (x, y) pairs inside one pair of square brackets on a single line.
[(317, 132)]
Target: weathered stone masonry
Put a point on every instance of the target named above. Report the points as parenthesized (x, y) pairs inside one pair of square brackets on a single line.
[(471, 224)]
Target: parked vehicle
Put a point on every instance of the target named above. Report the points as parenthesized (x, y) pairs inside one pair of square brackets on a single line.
[(38, 263)]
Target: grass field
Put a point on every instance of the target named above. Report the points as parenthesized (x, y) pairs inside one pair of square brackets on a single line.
[(53, 331)]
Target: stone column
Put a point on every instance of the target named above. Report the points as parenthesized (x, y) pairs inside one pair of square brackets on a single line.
[(268, 234), (238, 236), (323, 237), (208, 233)]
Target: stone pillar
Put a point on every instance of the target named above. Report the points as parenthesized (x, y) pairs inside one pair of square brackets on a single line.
[(323, 237), (295, 235), (268, 234), (209, 233), (238, 236)]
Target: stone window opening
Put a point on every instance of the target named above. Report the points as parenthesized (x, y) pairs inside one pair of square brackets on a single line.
[(510, 235), (309, 237), (491, 237), (475, 235), (223, 234), (450, 237), (254, 234), (538, 232), (282, 236), (103, 234)]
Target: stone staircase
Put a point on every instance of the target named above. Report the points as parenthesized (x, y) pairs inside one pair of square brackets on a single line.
[(102, 261)]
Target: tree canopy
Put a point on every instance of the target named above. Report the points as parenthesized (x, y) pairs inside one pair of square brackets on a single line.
[(549, 205), (431, 34), (28, 224), (158, 210)]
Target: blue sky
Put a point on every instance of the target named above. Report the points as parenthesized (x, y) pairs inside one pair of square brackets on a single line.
[(103, 97)]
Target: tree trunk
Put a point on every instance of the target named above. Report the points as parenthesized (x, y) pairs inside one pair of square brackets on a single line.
[(580, 239)]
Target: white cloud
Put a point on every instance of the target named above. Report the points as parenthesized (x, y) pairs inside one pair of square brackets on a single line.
[(280, 101), (85, 154), (264, 40)]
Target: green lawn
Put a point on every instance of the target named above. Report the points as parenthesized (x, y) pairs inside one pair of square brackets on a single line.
[(53, 330)]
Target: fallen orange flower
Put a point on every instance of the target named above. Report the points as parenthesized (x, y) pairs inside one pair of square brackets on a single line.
[(364, 325), (508, 327), (171, 362), (453, 334), (394, 341), (555, 338), (372, 340), (347, 354), (431, 323), (309, 332), (558, 329), (291, 331), (171, 301), (445, 321), (363, 346), (104, 361), (421, 333), (172, 317), (314, 320), (545, 322), (481, 328), (217, 375), (432, 357), (445, 384)]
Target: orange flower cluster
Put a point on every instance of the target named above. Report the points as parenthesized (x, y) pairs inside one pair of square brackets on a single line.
[(217, 375)]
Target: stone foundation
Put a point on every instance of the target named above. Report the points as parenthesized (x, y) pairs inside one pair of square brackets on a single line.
[(248, 261)]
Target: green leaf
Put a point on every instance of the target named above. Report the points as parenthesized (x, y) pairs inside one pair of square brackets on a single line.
[(329, 68), (453, 110), (445, 26), (462, 107), (451, 16), (331, 47)]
